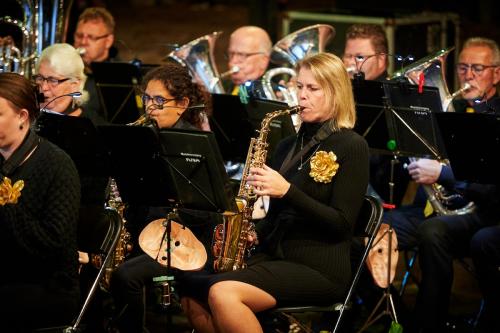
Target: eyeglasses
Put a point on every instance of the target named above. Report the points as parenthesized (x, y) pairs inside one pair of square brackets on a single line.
[(358, 57), (240, 55), (91, 38), (157, 100), (51, 81), (477, 69)]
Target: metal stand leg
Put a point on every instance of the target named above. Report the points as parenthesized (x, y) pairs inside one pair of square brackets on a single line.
[(387, 296)]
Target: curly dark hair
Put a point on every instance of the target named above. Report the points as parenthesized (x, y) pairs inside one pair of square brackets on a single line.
[(179, 84)]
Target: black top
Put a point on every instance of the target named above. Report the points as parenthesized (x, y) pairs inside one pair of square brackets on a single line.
[(492, 105), (313, 223), (38, 234)]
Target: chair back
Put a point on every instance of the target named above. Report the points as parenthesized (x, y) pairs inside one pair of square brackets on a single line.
[(369, 217), (106, 252)]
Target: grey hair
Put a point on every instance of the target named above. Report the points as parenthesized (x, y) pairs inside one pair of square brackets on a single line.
[(486, 42), (66, 61)]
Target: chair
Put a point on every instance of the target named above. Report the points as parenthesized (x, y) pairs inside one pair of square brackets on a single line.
[(367, 225), (106, 251)]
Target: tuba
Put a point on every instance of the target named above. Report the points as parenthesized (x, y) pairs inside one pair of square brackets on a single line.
[(230, 238), (433, 69), (44, 23), (198, 56), (287, 52)]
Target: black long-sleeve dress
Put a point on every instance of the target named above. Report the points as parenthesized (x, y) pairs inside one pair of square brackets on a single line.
[(39, 280), (306, 236)]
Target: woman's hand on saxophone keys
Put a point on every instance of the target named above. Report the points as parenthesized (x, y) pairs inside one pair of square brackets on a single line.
[(267, 181)]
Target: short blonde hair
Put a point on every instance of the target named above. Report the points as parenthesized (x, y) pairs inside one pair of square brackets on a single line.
[(65, 60), (330, 73)]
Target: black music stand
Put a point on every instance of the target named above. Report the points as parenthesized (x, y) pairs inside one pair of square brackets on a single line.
[(175, 168), (235, 123), (118, 90), (77, 136), (412, 132), (472, 143)]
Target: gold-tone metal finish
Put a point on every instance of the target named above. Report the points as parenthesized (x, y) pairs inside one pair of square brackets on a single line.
[(231, 237)]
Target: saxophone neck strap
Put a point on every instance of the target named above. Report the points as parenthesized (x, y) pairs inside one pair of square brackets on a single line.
[(322, 134)]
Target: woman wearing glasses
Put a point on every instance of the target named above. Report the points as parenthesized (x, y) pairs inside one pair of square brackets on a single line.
[(39, 200), (173, 101), (59, 74)]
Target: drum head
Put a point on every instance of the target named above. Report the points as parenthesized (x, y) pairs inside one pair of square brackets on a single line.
[(187, 252)]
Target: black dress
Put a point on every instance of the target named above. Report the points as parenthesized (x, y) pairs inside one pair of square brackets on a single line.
[(39, 280), (306, 236)]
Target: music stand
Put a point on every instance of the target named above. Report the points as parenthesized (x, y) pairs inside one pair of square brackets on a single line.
[(371, 122), (134, 157), (77, 136), (412, 132), (197, 170), (472, 143), (118, 90), (411, 124), (235, 123)]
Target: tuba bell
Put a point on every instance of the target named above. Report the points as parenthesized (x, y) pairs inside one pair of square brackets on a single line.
[(198, 56), (433, 69), (288, 52), (43, 23)]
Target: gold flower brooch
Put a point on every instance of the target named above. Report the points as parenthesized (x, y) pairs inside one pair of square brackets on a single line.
[(10, 194), (323, 166)]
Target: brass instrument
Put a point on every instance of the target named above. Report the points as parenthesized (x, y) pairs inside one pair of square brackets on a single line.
[(198, 56), (123, 246), (44, 23), (230, 238), (288, 52), (144, 120), (433, 69)]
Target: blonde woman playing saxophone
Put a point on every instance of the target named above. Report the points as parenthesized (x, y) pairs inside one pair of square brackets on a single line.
[(316, 185)]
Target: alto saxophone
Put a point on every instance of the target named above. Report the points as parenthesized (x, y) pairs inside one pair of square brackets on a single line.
[(123, 245), (230, 237)]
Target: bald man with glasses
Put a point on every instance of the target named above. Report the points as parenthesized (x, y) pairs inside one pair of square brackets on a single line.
[(249, 52)]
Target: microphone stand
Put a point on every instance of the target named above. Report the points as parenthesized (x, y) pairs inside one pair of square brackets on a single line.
[(71, 94)]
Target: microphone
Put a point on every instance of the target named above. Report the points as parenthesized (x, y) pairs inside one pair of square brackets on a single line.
[(71, 94), (360, 75)]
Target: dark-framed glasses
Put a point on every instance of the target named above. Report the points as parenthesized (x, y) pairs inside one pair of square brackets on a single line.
[(91, 38), (358, 57), (478, 69), (240, 55), (157, 100), (51, 81)]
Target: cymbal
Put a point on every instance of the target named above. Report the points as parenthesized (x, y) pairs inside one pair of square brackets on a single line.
[(378, 257), (187, 252)]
